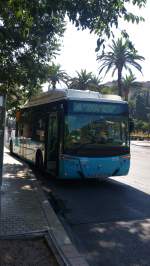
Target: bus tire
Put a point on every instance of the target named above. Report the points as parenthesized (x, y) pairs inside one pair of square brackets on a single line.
[(39, 161), (11, 147)]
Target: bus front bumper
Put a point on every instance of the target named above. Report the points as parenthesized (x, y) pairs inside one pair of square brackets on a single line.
[(84, 167)]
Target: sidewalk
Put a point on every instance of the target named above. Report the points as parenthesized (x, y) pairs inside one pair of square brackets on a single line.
[(27, 214), (142, 143)]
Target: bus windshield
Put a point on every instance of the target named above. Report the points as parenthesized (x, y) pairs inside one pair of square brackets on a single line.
[(96, 134)]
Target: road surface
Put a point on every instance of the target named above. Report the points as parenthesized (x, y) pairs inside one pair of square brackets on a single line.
[(109, 222)]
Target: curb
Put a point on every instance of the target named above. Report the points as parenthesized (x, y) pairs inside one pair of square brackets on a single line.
[(56, 236)]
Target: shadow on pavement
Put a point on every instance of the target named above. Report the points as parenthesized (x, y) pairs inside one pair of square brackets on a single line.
[(93, 201), (117, 243), (109, 221), (21, 211)]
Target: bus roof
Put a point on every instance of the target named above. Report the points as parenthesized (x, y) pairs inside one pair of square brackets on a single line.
[(60, 94)]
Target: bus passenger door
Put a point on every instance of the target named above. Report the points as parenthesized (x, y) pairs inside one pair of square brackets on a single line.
[(52, 144)]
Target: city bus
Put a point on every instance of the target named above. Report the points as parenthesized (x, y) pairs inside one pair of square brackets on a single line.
[(73, 134)]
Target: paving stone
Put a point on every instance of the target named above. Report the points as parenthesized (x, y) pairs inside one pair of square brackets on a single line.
[(25, 210), (21, 210)]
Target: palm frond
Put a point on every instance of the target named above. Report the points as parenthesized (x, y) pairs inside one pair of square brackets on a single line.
[(121, 55)]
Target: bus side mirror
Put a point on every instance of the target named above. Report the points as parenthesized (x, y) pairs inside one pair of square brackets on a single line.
[(131, 125)]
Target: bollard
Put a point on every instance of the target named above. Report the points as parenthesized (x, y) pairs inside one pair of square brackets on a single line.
[(2, 127)]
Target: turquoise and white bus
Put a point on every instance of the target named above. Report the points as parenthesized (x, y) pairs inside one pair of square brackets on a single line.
[(74, 134)]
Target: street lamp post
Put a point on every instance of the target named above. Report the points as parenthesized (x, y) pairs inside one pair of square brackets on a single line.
[(2, 126)]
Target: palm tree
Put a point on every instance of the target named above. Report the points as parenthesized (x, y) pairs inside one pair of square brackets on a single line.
[(56, 74), (84, 80), (95, 83), (81, 81), (129, 84), (121, 55)]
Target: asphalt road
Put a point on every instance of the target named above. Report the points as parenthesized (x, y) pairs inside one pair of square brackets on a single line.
[(109, 222)]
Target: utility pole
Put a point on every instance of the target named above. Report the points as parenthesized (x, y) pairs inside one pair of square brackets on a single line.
[(2, 127)]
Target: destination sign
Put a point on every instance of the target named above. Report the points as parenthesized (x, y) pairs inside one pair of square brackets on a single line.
[(99, 108)]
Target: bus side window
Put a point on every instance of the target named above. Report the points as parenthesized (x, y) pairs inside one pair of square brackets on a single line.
[(53, 137), (20, 130), (24, 125), (27, 130), (39, 129)]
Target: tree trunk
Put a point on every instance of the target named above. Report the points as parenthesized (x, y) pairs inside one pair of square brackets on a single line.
[(126, 94), (119, 82), (54, 84)]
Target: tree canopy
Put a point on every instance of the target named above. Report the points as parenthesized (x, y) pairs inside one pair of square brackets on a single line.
[(56, 75), (30, 32), (121, 56), (84, 81), (28, 39)]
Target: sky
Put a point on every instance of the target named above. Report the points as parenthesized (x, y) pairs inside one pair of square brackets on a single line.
[(78, 47)]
